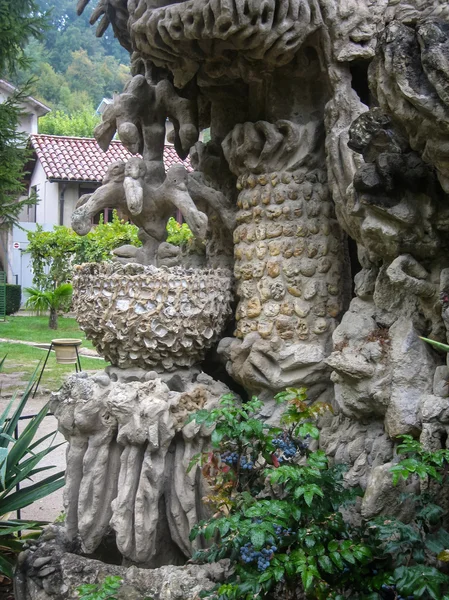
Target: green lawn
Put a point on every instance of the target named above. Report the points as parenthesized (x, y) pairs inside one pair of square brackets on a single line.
[(35, 329), (22, 360)]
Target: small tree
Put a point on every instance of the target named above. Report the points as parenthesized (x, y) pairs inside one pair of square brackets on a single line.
[(53, 301), (55, 253)]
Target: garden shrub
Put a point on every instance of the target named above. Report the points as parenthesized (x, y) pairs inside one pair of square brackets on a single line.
[(13, 298), (178, 234), (55, 253), (277, 515)]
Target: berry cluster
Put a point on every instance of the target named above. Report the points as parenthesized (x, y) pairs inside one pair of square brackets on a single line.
[(389, 591), (286, 446), (230, 458), (282, 532), (263, 557), (246, 463)]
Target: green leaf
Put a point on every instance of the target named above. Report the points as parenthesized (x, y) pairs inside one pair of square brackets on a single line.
[(257, 538), (265, 577), (309, 541), (216, 437), (326, 564), (308, 497), (307, 579), (348, 556), (308, 429), (3, 459), (337, 560), (209, 532), (28, 495), (194, 461), (437, 345), (6, 567)]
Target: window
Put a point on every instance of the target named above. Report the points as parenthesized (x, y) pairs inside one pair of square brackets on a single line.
[(31, 210)]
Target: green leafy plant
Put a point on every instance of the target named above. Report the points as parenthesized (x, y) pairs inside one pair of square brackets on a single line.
[(19, 463), (417, 546), (276, 502), (51, 300), (178, 234), (277, 514), (13, 298), (418, 461), (54, 254), (106, 590)]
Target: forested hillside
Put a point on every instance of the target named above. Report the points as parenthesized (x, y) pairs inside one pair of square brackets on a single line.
[(73, 69)]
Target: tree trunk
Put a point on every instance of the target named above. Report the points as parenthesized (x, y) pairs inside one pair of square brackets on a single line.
[(53, 321)]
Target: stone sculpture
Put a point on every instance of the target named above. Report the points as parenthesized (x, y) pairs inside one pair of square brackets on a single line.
[(129, 452), (152, 318), (325, 186)]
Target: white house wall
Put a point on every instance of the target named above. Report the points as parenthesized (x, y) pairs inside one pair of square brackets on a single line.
[(70, 199), (20, 270), (47, 209)]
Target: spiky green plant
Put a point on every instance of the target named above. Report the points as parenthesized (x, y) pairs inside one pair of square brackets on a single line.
[(19, 463), (437, 345)]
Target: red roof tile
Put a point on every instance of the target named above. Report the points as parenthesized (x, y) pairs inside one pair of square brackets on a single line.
[(82, 159)]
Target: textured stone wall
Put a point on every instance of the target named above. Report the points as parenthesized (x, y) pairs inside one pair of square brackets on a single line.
[(328, 119), (327, 177), (288, 257)]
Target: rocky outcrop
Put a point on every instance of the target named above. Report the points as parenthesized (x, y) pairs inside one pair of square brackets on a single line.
[(50, 570)]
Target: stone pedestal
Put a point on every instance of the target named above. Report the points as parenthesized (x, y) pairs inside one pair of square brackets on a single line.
[(128, 460)]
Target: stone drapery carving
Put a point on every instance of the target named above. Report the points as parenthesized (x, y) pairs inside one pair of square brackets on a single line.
[(327, 176), (129, 451)]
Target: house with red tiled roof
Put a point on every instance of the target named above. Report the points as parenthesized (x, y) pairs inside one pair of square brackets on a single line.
[(63, 169), (68, 167)]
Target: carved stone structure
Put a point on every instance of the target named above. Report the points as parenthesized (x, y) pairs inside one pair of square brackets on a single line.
[(129, 452), (54, 569), (151, 318), (325, 185)]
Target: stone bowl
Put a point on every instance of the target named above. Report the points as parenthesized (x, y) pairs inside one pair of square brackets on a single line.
[(148, 317)]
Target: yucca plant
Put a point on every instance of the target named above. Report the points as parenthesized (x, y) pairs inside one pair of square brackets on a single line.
[(437, 345), (19, 463), (51, 300)]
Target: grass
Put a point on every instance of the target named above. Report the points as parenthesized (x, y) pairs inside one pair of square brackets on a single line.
[(22, 360), (35, 329)]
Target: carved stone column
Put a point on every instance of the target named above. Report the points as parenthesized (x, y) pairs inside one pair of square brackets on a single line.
[(289, 255)]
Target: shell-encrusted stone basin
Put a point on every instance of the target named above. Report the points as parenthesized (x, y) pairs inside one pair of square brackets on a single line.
[(139, 316)]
